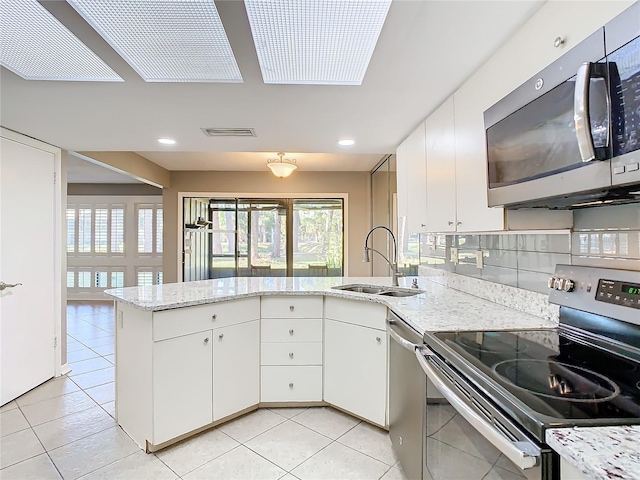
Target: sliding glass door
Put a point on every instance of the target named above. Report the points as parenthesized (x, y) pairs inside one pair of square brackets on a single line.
[(318, 239), (262, 237)]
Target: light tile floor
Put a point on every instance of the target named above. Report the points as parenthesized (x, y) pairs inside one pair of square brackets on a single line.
[(65, 428)]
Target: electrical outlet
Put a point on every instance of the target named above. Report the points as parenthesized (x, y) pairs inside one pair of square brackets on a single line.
[(479, 259), (454, 255)]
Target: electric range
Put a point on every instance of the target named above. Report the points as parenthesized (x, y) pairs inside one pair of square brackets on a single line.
[(517, 384)]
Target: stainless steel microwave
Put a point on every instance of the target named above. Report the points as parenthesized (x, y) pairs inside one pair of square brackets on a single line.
[(570, 136)]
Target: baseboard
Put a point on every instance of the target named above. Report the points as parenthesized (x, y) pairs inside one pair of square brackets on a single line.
[(65, 369)]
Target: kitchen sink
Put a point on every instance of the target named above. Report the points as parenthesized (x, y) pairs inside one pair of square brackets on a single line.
[(385, 291), (400, 293)]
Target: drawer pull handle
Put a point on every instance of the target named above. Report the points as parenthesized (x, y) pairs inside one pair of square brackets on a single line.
[(291, 308), (291, 385), (221, 336), (291, 355), (214, 316), (291, 332), (378, 339), (206, 340)]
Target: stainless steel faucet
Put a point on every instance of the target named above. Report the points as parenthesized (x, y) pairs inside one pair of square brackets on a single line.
[(394, 264)]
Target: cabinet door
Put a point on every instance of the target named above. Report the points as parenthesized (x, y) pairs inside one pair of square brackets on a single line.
[(182, 384), (473, 212), (401, 180), (441, 170), (236, 368), (416, 181), (355, 370)]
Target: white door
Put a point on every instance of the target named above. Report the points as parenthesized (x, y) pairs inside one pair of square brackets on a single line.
[(27, 257)]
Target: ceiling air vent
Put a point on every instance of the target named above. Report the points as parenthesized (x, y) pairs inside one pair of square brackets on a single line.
[(229, 132)]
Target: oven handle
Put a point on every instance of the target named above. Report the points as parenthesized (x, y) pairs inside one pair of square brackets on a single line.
[(403, 342), (518, 456)]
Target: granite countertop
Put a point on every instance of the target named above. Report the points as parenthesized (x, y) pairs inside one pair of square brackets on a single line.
[(438, 308), (600, 452)]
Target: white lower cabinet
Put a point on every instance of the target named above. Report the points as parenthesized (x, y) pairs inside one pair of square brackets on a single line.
[(291, 349), (291, 384), (182, 385), (355, 369), (175, 376), (236, 368)]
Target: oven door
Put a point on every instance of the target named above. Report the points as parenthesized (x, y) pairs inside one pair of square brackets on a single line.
[(470, 439)]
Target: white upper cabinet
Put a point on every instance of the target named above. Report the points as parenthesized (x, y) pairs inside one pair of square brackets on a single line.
[(446, 187), (473, 213), (441, 169), (417, 181), (401, 179)]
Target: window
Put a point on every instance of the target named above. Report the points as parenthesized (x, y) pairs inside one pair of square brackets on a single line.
[(117, 230), (102, 243), (272, 237), (84, 230), (71, 230), (84, 279), (145, 278), (149, 229), (117, 279), (101, 229)]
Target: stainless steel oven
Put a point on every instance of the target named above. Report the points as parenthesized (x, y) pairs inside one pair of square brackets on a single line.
[(570, 136), (506, 388)]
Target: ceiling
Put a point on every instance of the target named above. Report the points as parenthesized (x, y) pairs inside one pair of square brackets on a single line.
[(424, 53)]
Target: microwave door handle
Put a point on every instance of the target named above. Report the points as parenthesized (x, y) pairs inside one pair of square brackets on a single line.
[(581, 113), (511, 450)]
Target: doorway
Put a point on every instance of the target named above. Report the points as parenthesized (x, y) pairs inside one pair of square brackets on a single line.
[(262, 237)]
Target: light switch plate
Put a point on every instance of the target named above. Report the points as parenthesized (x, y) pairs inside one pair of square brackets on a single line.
[(454, 255)]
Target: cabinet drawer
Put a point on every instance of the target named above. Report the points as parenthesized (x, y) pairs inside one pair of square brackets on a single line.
[(300, 353), (184, 321), (291, 307), (291, 330), (291, 384), (356, 312)]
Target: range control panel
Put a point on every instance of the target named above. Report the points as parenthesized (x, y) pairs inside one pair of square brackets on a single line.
[(619, 293), (603, 291)]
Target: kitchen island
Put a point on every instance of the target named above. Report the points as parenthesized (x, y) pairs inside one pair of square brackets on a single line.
[(437, 308), (192, 355)]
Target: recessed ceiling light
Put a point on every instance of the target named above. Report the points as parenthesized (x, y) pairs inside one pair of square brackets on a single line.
[(346, 143), (166, 141), (165, 41), (36, 46), (315, 41)]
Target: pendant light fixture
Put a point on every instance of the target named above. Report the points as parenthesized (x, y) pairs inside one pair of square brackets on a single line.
[(282, 167)]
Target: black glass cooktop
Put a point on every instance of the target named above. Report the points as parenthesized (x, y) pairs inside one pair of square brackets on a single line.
[(552, 374)]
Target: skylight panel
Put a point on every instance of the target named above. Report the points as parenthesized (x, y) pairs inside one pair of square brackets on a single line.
[(315, 41), (165, 40), (36, 46)]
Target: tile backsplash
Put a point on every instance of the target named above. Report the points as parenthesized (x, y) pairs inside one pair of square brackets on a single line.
[(603, 237)]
